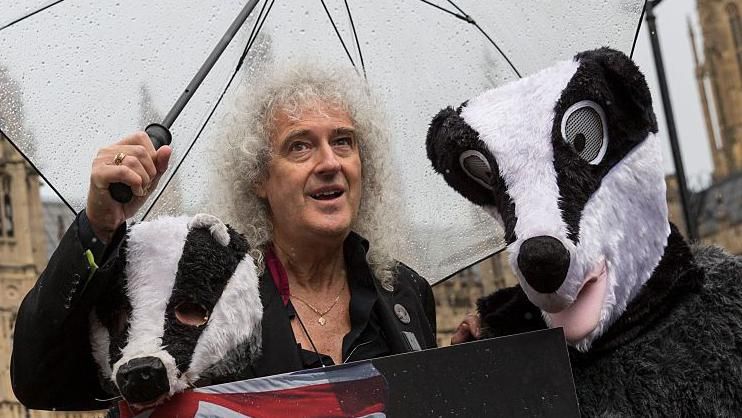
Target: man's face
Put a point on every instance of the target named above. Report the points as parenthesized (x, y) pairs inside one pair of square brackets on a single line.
[(314, 178)]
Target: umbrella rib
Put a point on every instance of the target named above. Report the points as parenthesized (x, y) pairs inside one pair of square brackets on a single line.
[(329, 16), (259, 27), (31, 14), (48, 183), (355, 35), (498, 50), (457, 8), (444, 9), (254, 29), (638, 28), (465, 17)]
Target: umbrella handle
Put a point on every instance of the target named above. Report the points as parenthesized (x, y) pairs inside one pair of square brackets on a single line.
[(159, 135)]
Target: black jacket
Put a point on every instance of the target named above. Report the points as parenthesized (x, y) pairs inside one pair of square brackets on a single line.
[(52, 366)]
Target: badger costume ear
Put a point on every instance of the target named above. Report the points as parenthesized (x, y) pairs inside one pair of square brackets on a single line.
[(631, 100), (218, 229), (461, 157)]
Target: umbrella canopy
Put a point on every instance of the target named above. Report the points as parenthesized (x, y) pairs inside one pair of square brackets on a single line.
[(88, 72)]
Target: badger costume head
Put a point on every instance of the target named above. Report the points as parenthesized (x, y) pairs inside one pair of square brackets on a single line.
[(568, 161), (187, 307)]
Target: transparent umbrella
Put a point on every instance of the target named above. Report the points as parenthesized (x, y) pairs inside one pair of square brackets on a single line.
[(86, 72)]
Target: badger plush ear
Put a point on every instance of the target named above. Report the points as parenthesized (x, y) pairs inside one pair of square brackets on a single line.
[(461, 157), (631, 100), (218, 229)]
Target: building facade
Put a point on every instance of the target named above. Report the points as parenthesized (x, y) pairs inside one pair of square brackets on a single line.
[(718, 57), (717, 209), (26, 230)]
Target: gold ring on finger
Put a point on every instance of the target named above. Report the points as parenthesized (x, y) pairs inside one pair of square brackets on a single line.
[(119, 158)]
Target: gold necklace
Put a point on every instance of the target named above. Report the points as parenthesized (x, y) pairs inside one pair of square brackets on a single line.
[(321, 314)]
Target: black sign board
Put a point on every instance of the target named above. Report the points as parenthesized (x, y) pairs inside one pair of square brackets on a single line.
[(525, 375)]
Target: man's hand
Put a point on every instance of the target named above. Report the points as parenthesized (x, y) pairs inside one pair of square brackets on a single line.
[(468, 330), (141, 169)]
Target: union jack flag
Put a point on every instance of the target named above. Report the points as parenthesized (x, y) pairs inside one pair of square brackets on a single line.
[(356, 390)]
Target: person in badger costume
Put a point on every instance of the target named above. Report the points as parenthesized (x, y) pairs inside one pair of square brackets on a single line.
[(568, 161), (302, 172)]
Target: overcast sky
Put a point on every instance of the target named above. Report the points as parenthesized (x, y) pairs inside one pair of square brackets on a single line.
[(672, 18)]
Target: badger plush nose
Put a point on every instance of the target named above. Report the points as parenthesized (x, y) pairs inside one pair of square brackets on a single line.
[(142, 380), (544, 262)]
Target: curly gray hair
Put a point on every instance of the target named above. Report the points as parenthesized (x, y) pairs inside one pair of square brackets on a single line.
[(247, 154)]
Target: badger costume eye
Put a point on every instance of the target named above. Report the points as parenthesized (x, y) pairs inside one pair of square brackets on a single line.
[(192, 314), (476, 166), (584, 129)]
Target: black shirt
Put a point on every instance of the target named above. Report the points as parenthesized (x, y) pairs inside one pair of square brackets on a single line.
[(365, 339)]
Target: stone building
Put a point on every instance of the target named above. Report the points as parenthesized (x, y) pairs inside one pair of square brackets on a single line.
[(24, 248), (457, 296), (717, 209), (718, 57)]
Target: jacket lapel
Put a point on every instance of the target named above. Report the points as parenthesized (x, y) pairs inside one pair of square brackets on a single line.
[(280, 354), (402, 337)]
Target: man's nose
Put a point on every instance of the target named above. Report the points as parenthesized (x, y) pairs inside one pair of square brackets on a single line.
[(328, 160)]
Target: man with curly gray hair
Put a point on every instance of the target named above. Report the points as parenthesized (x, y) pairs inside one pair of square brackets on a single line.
[(304, 175), (306, 179)]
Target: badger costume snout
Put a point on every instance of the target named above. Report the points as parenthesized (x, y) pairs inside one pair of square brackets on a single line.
[(568, 161), (186, 308)]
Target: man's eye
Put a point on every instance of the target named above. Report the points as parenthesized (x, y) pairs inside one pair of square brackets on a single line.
[(298, 147), (344, 141)]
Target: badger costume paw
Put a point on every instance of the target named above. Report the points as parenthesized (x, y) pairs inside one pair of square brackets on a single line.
[(187, 305)]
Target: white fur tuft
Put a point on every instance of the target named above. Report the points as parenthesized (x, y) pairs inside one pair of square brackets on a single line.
[(234, 320), (217, 228), (100, 342)]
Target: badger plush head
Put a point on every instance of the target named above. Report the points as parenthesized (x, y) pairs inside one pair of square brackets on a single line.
[(568, 161), (187, 306)]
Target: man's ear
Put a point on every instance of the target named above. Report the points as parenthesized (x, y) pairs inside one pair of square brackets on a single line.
[(259, 189)]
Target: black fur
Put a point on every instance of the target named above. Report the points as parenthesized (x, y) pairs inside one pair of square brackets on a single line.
[(203, 271), (675, 351), (449, 136), (610, 79)]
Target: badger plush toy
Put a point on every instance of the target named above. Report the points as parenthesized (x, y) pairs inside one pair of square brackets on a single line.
[(186, 310), (567, 160)]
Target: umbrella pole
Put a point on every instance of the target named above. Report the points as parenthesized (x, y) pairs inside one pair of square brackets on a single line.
[(670, 119), (159, 133)]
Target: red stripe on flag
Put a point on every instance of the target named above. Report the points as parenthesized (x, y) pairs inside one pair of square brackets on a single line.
[(352, 398)]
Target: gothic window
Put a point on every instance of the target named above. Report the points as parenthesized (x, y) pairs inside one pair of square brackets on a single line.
[(7, 209), (736, 25)]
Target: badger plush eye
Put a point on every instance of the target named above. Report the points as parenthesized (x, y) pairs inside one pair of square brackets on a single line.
[(193, 314), (584, 129)]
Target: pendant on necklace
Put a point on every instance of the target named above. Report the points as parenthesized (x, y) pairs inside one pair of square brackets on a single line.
[(322, 321)]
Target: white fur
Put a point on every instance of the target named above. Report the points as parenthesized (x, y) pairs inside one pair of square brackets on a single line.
[(624, 221), (216, 227), (100, 342), (515, 122), (234, 320), (153, 252)]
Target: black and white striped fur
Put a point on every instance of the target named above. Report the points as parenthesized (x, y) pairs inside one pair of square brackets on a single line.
[(586, 221), (188, 302)]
